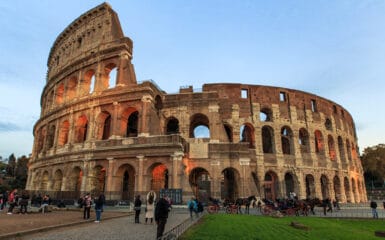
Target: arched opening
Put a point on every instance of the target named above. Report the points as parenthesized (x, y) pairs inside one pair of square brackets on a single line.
[(287, 140), (172, 126), (75, 182), (328, 124), (271, 185), (319, 145), (310, 186), (132, 124), (303, 140), (229, 132), (199, 126), (266, 115), (247, 135), (103, 125), (289, 184), (51, 136), (268, 139), (229, 184), (347, 189), (200, 183), (332, 151), (81, 129), (324, 187), (160, 177), (63, 134), (71, 88), (341, 149), (41, 139), (127, 175), (49, 100), (337, 188), (59, 98), (111, 73), (348, 150)]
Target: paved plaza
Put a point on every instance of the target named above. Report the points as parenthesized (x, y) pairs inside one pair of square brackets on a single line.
[(125, 228)]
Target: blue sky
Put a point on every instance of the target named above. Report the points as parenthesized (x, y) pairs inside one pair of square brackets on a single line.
[(335, 49)]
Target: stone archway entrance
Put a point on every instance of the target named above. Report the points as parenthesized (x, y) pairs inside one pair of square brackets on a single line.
[(159, 178), (229, 184), (126, 174), (289, 184), (200, 183), (271, 186), (310, 187), (324, 187)]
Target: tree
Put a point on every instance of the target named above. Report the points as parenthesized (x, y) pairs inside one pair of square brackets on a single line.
[(373, 163), (11, 165)]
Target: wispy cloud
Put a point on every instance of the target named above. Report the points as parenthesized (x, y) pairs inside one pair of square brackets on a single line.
[(9, 127)]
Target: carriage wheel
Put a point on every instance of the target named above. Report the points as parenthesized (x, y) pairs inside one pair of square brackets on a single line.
[(228, 210), (210, 209), (266, 210), (290, 212)]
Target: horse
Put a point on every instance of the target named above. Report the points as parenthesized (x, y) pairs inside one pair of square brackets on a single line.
[(249, 201), (301, 206)]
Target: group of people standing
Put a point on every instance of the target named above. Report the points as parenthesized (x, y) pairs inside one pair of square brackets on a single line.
[(13, 199), (153, 209)]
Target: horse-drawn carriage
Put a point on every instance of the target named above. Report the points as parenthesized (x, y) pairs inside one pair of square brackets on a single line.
[(284, 207)]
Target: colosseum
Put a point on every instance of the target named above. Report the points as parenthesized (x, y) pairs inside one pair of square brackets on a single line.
[(101, 130)]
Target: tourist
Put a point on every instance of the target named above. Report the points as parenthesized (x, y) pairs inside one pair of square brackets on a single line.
[(5, 199), (13, 200), (44, 203), (87, 202), (150, 206), (24, 202), (161, 214), (192, 207), (137, 207), (99, 203), (373, 206)]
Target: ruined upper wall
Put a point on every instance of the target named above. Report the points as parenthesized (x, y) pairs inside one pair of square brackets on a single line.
[(93, 32)]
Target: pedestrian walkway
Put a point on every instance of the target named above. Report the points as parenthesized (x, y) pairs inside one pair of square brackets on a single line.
[(114, 229)]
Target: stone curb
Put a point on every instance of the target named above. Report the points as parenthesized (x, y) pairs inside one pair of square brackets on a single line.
[(44, 229)]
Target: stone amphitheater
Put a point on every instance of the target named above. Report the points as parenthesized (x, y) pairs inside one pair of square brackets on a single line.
[(101, 130)]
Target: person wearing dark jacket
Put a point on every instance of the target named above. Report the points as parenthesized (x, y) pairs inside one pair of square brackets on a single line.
[(24, 202), (99, 203), (137, 207), (161, 214)]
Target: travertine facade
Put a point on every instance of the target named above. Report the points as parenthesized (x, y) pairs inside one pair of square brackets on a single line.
[(101, 130)]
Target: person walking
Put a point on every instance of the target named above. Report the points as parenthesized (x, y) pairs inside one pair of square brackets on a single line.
[(150, 206), (137, 207), (5, 199), (13, 200), (161, 214), (24, 202), (373, 206), (192, 207), (87, 206), (99, 203)]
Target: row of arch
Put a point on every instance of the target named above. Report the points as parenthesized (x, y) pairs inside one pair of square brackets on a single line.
[(199, 127), (200, 182), (74, 87)]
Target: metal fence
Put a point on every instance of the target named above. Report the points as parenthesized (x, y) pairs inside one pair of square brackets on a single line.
[(178, 230)]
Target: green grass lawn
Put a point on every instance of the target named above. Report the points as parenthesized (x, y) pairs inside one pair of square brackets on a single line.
[(237, 227)]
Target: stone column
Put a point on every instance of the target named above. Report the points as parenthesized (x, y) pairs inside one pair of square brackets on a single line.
[(115, 128), (110, 186), (176, 160), (145, 122), (139, 177), (215, 179)]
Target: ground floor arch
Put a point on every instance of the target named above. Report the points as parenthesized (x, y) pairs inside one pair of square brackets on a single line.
[(126, 183), (310, 186), (271, 185), (200, 182), (230, 182)]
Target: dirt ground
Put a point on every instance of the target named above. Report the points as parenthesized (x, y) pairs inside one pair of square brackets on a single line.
[(24, 222)]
